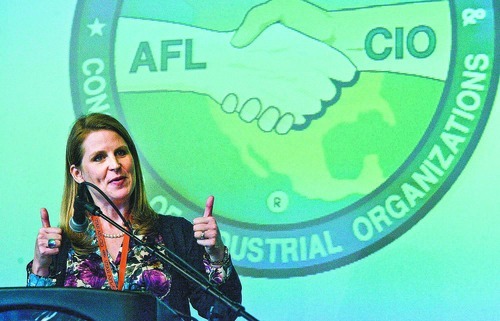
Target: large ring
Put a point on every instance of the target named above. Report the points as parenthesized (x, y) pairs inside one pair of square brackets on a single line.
[(202, 237), (51, 244)]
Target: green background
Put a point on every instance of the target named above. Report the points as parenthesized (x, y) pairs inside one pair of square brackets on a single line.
[(444, 268)]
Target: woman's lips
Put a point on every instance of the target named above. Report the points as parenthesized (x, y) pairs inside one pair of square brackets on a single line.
[(117, 181)]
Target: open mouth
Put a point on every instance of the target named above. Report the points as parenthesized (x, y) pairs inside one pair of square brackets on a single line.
[(117, 180)]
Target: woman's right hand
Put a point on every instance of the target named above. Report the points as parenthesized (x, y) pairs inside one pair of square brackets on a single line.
[(45, 250)]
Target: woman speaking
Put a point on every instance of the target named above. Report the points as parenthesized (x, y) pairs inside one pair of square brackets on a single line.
[(101, 153)]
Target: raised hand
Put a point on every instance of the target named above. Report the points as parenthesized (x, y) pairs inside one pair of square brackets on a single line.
[(47, 245), (207, 232)]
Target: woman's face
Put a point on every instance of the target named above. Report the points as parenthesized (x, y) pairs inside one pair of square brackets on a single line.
[(108, 164)]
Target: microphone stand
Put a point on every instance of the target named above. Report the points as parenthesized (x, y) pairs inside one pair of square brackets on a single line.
[(170, 258)]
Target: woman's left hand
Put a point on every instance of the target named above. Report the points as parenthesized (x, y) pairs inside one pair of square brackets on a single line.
[(207, 232)]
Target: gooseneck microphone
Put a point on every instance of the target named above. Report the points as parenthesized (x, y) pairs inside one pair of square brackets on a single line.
[(83, 203), (79, 222)]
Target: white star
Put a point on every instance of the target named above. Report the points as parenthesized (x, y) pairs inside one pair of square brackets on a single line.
[(96, 27)]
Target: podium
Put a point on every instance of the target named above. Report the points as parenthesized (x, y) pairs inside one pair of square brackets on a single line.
[(37, 303)]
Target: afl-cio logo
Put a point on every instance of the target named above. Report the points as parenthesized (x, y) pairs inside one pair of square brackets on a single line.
[(324, 136)]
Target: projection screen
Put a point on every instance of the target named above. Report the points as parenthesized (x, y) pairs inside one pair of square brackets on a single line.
[(351, 146)]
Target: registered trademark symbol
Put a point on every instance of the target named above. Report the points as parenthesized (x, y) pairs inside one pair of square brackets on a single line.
[(277, 202)]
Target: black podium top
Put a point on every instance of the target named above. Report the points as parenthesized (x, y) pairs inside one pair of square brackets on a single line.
[(23, 303)]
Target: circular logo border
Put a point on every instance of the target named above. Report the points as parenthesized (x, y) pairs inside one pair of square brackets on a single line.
[(326, 240)]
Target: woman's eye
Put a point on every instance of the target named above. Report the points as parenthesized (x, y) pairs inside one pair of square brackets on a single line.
[(98, 158), (121, 152)]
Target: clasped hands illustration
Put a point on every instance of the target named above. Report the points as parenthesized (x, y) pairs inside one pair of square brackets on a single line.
[(270, 71)]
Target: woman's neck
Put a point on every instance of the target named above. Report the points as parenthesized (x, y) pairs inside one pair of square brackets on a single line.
[(112, 214)]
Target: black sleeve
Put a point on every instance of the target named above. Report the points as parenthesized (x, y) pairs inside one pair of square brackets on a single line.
[(178, 236)]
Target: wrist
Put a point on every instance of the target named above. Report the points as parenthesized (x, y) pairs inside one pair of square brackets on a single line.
[(40, 270), (217, 253), (222, 258)]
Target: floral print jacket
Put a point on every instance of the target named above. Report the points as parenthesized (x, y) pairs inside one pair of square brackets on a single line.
[(145, 272)]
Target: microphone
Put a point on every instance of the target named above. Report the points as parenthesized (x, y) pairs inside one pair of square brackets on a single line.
[(79, 221)]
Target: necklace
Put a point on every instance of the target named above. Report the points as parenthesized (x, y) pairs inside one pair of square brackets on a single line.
[(113, 236)]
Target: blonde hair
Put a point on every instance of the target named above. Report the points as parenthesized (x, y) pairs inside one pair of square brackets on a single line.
[(142, 216)]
